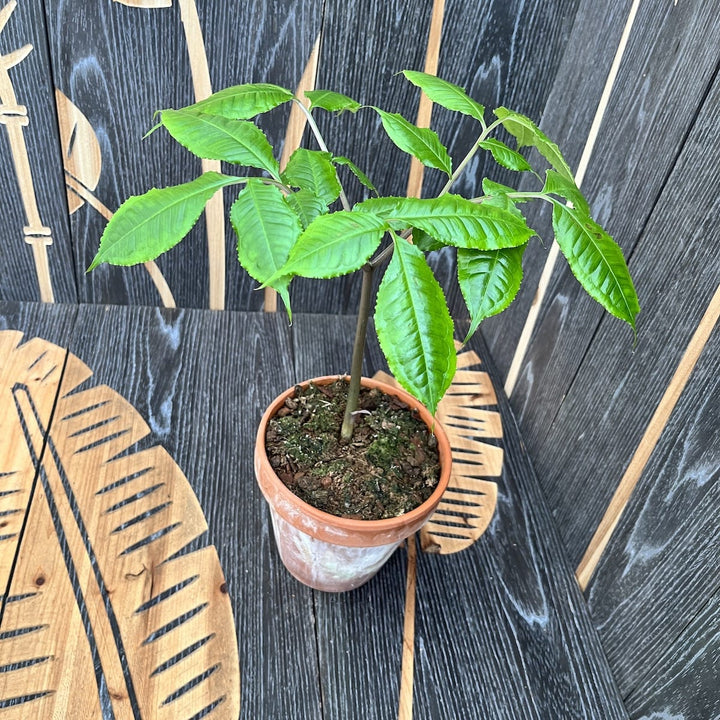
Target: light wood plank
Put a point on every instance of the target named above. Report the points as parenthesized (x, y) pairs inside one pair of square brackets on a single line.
[(188, 370)]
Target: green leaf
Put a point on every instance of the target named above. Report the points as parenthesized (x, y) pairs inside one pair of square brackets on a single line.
[(148, 225), (524, 130), (494, 188), (356, 171), (332, 101), (217, 138), (306, 205), (414, 327), (446, 94), (425, 242), (556, 184), (313, 170), (453, 220), (243, 101), (489, 281), (266, 229), (505, 156), (335, 244), (596, 261), (421, 143), (500, 199)]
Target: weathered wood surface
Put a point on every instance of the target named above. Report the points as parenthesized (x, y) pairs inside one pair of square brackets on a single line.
[(186, 371), (119, 64), (662, 83), (626, 387), (582, 400), (112, 74), (504, 54), (663, 562), (683, 683), (526, 597), (18, 467), (507, 608), (659, 93), (664, 565), (35, 249), (99, 612)]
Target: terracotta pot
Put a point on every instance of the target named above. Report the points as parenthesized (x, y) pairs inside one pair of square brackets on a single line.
[(331, 553)]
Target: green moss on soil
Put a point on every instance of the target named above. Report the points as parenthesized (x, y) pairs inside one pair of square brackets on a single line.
[(388, 468)]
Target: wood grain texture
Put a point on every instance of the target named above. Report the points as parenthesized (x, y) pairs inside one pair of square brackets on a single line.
[(583, 66), (684, 683), (37, 366), (599, 438), (649, 441), (34, 237), (508, 609), (662, 564), (107, 60), (661, 85), (506, 53), (359, 634), (186, 370), (94, 580)]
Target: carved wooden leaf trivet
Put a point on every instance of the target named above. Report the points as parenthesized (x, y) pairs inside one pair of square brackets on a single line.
[(468, 505), (99, 614)]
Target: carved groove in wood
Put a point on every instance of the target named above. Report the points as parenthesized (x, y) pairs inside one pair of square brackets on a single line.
[(100, 613)]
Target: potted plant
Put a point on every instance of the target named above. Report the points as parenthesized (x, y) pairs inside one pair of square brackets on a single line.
[(298, 222)]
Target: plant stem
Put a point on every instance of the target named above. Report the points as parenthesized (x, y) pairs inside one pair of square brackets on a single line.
[(386, 253), (321, 143), (471, 154), (358, 351)]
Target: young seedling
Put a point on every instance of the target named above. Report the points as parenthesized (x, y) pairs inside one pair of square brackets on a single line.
[(299, 223)]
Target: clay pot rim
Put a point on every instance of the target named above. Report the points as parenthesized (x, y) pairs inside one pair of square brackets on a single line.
[(350, 525)]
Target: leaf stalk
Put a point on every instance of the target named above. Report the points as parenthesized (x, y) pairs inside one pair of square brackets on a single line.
[(321, 143)]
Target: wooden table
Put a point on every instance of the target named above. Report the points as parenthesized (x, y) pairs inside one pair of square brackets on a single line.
[(499, 630)]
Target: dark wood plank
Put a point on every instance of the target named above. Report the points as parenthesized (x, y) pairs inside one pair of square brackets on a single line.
[(43, 192), (50, 322), (661, 566), (266, 42), (684, 683), (663, 81), (502, 628), (506, 54), (360, 634), (566, 119), (118, 65), (508, 609), (616, 391), (201, 380)]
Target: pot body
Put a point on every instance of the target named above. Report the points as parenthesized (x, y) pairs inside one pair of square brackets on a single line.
[(331, 553)]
